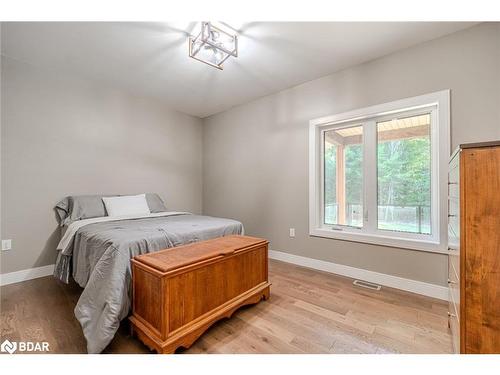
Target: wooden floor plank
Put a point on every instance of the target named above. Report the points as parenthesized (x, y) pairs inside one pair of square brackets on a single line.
[(309, 312)]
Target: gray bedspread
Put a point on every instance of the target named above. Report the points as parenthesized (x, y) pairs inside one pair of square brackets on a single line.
[(100, 262)]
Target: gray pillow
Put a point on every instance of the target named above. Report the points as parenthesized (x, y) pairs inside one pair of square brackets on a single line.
[(79, 207), (155, 203)]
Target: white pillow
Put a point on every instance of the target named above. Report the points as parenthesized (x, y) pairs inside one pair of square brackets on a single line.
[(126, 206)]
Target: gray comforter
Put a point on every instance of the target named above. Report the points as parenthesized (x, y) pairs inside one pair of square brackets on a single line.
[(100, 260)]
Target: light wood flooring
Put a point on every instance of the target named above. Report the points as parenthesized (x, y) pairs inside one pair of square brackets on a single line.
[(309, 312)]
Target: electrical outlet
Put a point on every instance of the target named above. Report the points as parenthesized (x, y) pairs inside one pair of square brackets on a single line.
[(292, 232), (6, 245)]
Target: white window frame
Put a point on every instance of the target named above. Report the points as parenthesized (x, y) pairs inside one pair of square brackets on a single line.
[(438, 105)]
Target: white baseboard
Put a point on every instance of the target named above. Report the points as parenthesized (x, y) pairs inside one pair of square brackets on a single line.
[(23, 275), (396, 282)]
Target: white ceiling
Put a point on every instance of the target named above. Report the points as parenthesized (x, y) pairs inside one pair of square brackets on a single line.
[(152, 58)]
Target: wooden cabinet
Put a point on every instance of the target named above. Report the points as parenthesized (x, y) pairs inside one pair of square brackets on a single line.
[(179, 293), (474, 247)]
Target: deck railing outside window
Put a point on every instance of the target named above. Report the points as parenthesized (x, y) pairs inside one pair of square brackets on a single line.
[(413, 219)]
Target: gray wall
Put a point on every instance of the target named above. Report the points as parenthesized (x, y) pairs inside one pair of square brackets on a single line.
[(255, 164), (63, 136)]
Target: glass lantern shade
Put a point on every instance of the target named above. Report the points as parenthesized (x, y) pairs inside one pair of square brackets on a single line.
[(213, 45)]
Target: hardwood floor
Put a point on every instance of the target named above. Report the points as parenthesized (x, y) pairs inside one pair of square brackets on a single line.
[(308, 312)]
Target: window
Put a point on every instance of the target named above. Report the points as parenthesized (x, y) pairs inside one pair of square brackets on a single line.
[(378, 174), (343, 169), (404, 174)]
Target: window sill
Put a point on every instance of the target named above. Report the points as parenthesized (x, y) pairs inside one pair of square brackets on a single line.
[(375, 239)]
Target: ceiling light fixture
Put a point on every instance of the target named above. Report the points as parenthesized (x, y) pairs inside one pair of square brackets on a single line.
[(213, 45)]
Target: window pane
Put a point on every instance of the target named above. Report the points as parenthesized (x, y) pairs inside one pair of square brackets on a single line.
[(343, 171), (404, 174)]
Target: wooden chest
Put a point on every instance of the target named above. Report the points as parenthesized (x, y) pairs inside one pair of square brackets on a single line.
[(179, 293)]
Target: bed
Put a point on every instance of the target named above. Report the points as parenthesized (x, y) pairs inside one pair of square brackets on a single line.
[(95, 250)]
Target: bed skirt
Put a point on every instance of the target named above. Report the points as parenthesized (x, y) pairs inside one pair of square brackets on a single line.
[(62, 269)]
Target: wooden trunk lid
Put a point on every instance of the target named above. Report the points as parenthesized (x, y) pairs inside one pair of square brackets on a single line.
[(187, 255)]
